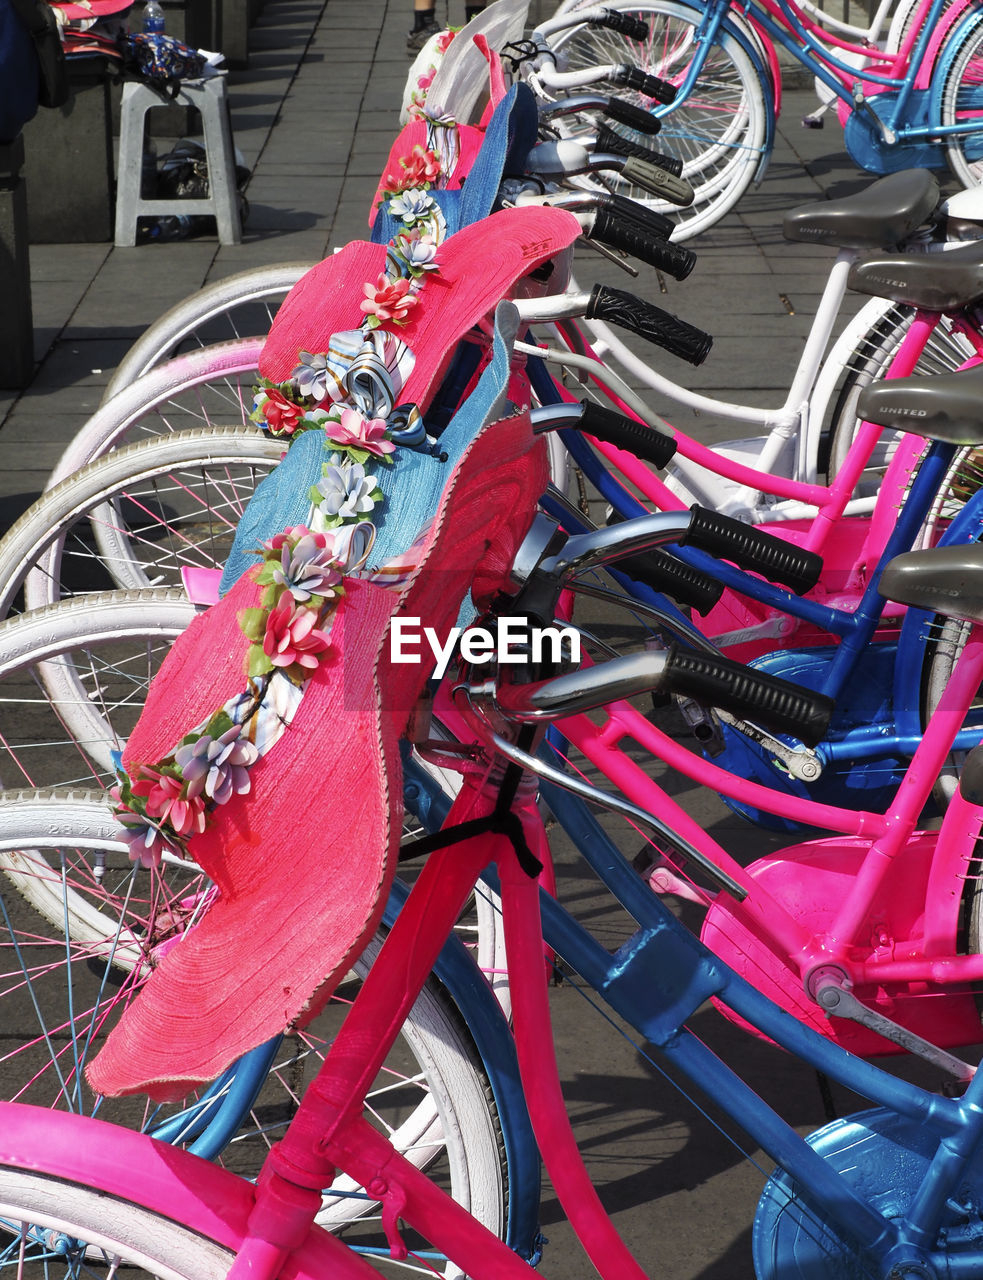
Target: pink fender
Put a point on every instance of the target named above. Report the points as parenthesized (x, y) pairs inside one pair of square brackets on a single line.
[(811, 881), (164, 1179)]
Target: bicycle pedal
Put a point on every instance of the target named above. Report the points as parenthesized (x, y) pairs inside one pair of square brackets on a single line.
[(810, 122)]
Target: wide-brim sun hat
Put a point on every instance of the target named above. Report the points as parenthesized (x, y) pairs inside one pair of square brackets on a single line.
[(477, 267), (303, 861), (85, 10)]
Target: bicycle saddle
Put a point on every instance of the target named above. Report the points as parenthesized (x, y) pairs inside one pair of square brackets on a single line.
[(947, 580), (946, 281), (945, 407), (882, 216)]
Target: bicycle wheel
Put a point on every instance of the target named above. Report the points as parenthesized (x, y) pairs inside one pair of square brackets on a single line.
[(73, 680), (207, 388), (869, 359), (53, 1226), (961, 101), (719, 131), (62, 993), (136, 517), (236, 307)]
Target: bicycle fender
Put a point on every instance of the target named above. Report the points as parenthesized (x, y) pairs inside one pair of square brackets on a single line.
[(913, 639), (945, 58), (734, 29)]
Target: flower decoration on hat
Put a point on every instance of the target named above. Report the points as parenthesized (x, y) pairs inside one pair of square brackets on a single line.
[(425, 78), (302, 579), (349, 394)]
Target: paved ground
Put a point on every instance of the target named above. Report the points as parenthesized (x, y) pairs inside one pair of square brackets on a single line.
[(314, 116)]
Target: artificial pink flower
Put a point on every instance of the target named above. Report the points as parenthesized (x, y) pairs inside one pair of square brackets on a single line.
[(282, 414), (292, 637), (425, 81), (353, 431), (165, 800), (297, 531), (444, 40), (422, 167), (388, 300)]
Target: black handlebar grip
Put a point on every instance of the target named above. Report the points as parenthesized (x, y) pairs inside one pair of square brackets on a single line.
[(674, 259), (751, 548), (636, 118), (651, 322), (663, 572), (608, 140), (624, 23), (641, 82), (625, 433), (648, 221), (776, 704), (657, 181)]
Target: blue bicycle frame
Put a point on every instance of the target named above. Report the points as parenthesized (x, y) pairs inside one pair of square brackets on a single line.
[(910, 141), (877, 727), (881, 1186)]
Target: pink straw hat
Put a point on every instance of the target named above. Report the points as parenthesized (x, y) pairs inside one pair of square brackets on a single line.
[(87, 9), (303, 861), (302, 855), (476, 267)]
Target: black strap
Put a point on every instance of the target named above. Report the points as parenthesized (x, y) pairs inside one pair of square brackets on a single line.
[(501, 822), (506, 824)]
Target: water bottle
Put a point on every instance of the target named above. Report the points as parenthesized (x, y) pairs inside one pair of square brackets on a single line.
[(153, 18), (168, 227)]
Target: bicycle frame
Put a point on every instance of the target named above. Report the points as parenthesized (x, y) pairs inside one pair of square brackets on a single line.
[(784, 22), (656, 980), (809, 909), (755, 617)]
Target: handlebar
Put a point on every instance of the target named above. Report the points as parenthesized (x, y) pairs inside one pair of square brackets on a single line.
[(778, 705), (625, 113), (624, 309), (567, 159), (649, 321), (717, 534), (622, 224), (608, 140)]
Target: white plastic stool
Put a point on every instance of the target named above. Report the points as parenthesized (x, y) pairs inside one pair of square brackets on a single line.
[(208, 97)]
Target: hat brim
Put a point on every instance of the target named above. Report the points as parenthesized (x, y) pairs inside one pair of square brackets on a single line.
[(476, 268), (303, 862)]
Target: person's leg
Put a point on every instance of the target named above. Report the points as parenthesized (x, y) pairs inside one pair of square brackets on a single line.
[(424, 24)]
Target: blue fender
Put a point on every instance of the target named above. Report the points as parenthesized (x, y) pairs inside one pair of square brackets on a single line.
[(914, 637), (735, 33)]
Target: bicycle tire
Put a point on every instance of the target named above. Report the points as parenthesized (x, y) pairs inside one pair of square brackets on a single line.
[(206, 388), (720, 132), (901, 23), (188, 491), (960, 70), (434, 1099), (241, 305), (80, 669), (42, 1205), (869, 358)]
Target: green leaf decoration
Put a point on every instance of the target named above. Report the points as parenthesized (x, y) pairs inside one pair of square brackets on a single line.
[(252, 623), (257, 662), (221, 722)]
